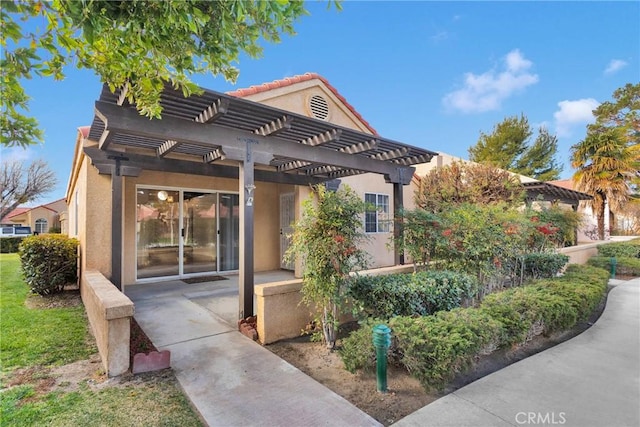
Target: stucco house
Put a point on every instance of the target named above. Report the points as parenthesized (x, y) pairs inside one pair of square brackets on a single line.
[(214, 185), (41, 218)]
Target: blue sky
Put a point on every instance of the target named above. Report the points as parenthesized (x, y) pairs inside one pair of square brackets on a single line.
[(430, 74)]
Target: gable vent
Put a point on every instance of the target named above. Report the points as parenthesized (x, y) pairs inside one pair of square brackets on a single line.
[(319, 107)]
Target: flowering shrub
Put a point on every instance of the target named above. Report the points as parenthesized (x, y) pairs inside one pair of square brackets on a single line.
[(327, 238)]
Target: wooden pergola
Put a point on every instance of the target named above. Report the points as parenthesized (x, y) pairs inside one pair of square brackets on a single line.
[(268, 144)]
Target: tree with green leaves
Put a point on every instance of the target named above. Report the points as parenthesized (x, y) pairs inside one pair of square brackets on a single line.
[(607, 160), (538, 161), (508, 147), (328, 239), (139, 45)]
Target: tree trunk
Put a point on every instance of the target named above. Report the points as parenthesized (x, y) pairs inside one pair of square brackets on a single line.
[(613, 226), (600, 216)]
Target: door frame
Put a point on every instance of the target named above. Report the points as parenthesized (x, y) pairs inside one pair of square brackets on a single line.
[(181, 191)]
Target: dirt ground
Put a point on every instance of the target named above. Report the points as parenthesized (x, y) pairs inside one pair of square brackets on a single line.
[(405, 394)]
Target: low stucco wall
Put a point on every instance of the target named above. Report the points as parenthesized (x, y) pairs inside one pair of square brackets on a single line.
[(109, 312), (580, 254), (280, 312)]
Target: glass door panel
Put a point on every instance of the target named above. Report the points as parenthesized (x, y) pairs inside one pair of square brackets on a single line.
[(229, 232), (158, 233), (200, 232)]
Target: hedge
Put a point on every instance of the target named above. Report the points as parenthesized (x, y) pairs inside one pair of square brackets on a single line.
[(540, 265), (419, 293), (626, 266), (436, 347), (9, 245), (630, 249), (49, 262)]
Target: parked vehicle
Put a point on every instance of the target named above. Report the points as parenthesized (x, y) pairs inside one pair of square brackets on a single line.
[(15, 231)]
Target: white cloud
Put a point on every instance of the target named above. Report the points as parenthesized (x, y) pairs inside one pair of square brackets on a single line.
[(574, 113), (615, 65), (485, 92)]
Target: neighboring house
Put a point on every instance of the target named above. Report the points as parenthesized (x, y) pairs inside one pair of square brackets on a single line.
[(214, 185), (40, 218)]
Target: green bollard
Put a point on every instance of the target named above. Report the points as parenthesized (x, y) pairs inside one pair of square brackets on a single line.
[(382, 342), (614, 262)]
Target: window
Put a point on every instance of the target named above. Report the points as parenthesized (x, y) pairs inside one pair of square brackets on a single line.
[(41, 226), (376, 217)]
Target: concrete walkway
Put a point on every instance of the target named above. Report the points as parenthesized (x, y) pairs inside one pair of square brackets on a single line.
[(231, 380), (590, 380)]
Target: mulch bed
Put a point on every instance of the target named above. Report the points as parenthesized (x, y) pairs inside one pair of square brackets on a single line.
[(140, 342)]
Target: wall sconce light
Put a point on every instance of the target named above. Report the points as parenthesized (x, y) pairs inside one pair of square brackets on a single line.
[(249, 189), (162, 195)]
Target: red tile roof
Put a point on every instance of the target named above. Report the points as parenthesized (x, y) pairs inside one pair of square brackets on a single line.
[(84, 130), (288, 81), (17, 211), (564, 183)]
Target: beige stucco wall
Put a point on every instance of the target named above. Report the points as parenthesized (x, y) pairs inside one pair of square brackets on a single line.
[(94, 227), (296, 98), (377, 246)]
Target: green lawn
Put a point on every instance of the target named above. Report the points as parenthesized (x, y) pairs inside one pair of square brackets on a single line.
[(28, 337), (37, 339)]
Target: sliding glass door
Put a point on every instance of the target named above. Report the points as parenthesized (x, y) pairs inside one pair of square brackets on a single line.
[(182, 232), (158, 233)]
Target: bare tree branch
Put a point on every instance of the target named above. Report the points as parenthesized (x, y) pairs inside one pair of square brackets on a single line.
[(19, 185)]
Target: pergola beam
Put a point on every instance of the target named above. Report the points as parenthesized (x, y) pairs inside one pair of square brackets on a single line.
[(389, 155), (214, 155), (360, 147), (296, 164), (275, 127), (100, 159), (214, 111), (128, 121), (168, 146), (323, 138)]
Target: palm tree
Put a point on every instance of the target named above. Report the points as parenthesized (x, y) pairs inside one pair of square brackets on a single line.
[(606, 163)]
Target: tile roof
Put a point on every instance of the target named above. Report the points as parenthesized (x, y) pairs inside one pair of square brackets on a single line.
[(17, 211), (288, 81), (84, 130), (564, 183)]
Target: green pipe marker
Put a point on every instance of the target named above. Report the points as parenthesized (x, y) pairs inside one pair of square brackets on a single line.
[(614, 262), (382, 342)]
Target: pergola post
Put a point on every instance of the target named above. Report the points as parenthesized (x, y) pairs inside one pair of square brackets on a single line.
[(398, 229), (245, 278), (116, 226)]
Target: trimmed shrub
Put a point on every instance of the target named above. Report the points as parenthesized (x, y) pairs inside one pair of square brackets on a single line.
[(625, 265), (357, 351), (543, 265), (629, 249), (435, 348), (538, 309), (49, 262), (9, 245), (419, 293)]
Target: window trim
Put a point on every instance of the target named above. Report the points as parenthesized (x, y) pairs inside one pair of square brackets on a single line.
[(39, 226), (382, 218)]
